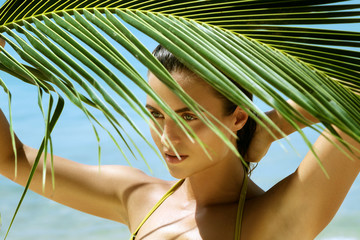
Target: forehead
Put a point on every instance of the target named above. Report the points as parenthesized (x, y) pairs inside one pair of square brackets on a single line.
[(192, 84)]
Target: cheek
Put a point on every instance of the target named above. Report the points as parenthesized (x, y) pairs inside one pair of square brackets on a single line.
[(155, 131), (215, 146)]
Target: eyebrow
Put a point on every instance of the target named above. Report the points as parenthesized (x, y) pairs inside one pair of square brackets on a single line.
[(185, 109)]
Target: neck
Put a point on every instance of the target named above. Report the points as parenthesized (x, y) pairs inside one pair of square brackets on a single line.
[(218, 184)]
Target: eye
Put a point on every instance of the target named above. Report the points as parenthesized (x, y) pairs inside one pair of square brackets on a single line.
[(188, 117), (156, 114)]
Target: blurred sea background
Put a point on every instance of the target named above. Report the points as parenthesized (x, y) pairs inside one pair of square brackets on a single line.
[(73, 138)]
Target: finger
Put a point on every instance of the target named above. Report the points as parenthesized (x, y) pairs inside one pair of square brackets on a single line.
[(2, 42), (253, 158)]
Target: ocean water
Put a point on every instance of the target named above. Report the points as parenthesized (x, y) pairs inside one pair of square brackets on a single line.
[(73, 137)]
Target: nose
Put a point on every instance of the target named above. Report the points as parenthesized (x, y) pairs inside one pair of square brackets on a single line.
[(171, 132)]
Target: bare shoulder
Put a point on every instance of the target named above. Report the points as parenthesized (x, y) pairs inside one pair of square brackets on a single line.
[(137, 191), (305, 202), (134, 182), (102, 191), (141, 194), (131, 183)]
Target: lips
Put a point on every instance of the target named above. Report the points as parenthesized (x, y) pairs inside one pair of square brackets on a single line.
[(172, 158)]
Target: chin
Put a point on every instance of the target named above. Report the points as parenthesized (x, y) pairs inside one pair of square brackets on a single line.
[(179, 173)]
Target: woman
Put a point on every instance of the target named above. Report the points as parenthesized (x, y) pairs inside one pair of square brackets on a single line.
[(206, 204)]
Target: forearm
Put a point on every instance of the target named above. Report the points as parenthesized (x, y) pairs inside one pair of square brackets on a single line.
[(284, 125), (6, 146), (25, 155), (287, 128)]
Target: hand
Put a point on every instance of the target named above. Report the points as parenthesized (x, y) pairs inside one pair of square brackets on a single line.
[(2, 42), (261, 141)]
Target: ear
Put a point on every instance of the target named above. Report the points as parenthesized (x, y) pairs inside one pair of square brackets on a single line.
[(240, 117)]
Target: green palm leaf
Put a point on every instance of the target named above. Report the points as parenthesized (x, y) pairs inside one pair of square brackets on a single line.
[(251, 42)]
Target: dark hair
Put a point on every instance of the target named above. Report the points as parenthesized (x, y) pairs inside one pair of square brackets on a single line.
[(245, 134)]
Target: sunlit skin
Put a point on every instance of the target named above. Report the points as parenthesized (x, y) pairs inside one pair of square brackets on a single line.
[(205, 206), (196, 162), (212, 186)]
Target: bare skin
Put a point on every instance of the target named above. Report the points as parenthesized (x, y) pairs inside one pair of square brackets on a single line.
[(205, 205)]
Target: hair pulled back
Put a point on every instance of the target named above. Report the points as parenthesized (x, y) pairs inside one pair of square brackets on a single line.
[(245, 134)]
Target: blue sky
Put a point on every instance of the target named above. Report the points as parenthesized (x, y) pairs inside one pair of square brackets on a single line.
[(151, 45), (278, 164)]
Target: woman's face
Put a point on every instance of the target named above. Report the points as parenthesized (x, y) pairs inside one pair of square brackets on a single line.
[(193, 158)]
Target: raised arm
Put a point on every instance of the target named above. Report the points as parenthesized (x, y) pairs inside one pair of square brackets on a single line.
[(119, 193), (80, 186), (306, 201), (262, 140), (101, 192)]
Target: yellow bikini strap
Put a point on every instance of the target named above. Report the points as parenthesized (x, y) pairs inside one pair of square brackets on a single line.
[(171, 191), (240, 210)]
